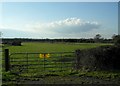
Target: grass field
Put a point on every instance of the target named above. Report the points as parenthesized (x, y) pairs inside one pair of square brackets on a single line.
[(67, 76), (37, 48), (52, 47)]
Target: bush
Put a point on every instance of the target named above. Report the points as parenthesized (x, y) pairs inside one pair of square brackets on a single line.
[(116, 40), (13, 43), (16, 43), (101, 58)]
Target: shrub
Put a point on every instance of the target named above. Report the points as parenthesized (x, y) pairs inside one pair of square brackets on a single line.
[(13, 43), (16, 43), (116, 40), (101, 58)]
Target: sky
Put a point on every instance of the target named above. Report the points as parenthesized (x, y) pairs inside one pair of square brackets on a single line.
[(58, 19)]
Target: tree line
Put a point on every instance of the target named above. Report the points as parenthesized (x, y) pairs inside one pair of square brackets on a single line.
[(97, 39)]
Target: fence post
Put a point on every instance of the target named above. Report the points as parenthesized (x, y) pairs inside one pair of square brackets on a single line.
[(77, 52), (7, 60)]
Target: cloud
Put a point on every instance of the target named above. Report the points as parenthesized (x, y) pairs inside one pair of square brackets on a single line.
[(70, 27)]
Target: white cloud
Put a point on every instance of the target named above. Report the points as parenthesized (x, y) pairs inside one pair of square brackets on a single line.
[(69, 25), (62, 28)]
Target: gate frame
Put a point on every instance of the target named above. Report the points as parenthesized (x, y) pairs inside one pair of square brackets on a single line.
[(7, 58)]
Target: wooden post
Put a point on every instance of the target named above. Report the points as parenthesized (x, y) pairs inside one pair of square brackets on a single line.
[(77, 52), (7, 60)]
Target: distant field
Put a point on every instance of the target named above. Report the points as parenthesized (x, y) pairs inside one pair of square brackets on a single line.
[(52, 47)]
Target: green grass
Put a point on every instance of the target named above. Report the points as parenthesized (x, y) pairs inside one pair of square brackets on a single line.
[(75, 77), (36, 47), (54, 75), (52, 47), (54, 60)]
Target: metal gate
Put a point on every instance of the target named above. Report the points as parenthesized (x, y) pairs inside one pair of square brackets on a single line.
[(41, 62)]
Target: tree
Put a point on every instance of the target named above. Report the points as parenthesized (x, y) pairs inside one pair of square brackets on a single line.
[(97, 37), (114, 35), (116, 39)]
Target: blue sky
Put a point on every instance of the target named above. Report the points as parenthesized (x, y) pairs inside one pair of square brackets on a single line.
[(59, 0), (59, 19)]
